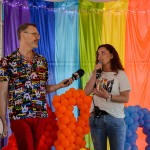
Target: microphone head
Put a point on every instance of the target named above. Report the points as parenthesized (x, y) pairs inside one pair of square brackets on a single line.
[(76, 75), (100, 62)]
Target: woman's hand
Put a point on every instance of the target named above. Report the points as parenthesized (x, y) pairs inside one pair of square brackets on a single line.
[(101, 93)]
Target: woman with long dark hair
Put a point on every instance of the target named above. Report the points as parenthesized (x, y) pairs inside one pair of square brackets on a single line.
[(110, 88)]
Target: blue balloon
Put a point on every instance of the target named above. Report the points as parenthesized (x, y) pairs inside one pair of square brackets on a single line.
[(147, 140), (131, 140), (147, 125), (146, 131), (126, 113), (127, 146), (133, 127), (131, 109), (134, 147), (145, 110), (128, 133), (138, 107), (147, 147), (141, 122), (128, 120), (135, 116), (147, 117), (141, 114)]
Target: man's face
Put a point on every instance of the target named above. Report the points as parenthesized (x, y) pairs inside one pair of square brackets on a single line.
[(30, 37)]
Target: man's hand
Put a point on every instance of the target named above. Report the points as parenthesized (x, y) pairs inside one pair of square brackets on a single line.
[(62, 84), (5, 131), (66, 82)]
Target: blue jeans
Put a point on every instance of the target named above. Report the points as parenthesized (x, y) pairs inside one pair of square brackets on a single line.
[(107, 126)]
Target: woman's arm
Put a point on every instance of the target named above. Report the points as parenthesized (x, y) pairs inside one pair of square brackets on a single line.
[(90, 84), (123, 97)]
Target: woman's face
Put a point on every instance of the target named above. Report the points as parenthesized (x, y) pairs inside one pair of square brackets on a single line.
[(104, 56)]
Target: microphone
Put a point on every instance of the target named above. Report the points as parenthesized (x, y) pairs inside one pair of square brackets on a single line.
[(76, 75), (98, 72)]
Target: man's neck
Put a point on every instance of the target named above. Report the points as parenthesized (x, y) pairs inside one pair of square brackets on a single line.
[(27, 53)]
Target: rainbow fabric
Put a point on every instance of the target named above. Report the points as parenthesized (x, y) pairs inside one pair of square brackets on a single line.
[(72, 30)]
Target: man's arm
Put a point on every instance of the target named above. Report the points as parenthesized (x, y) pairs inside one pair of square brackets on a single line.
[(3, 105), (54, 87)]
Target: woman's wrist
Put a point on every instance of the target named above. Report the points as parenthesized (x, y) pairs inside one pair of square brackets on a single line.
[(109, 98)]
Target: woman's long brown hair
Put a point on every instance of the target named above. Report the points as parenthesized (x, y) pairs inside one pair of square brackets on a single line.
[(115, 61)]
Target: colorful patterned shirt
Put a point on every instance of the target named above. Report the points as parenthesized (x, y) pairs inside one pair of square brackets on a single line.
[(27, 85)]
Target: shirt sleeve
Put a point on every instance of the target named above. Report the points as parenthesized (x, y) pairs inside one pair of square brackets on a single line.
[(124, 83), (4, 74)]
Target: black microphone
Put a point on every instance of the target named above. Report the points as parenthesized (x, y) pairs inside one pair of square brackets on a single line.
[(99, 71), (76, 75)]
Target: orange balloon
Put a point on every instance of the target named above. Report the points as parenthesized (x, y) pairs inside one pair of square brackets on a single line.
[(62, 96), (72, 101), (56, 98), (59, 147), (78, 130), (61, 109), (68, 148), (62, 126), (76, 94), (71, 126), (84, 107), (68, 94), (88, 100), (70, 107), (65, 120), (78, 140), (56, 143), (83, 143), (77, 147), (81, 123), (61, 137), (86, 130), (59, 115), (84, 117), (82, 93), (66, 131), (79, 101), (56, 104), (69, 113), (71, 138), (72, 89), (73, 146), (65, 143), (72, 120), (64, 101)]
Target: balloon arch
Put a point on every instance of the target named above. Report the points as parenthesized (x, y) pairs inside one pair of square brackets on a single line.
[(67, 133), (135, 117)]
